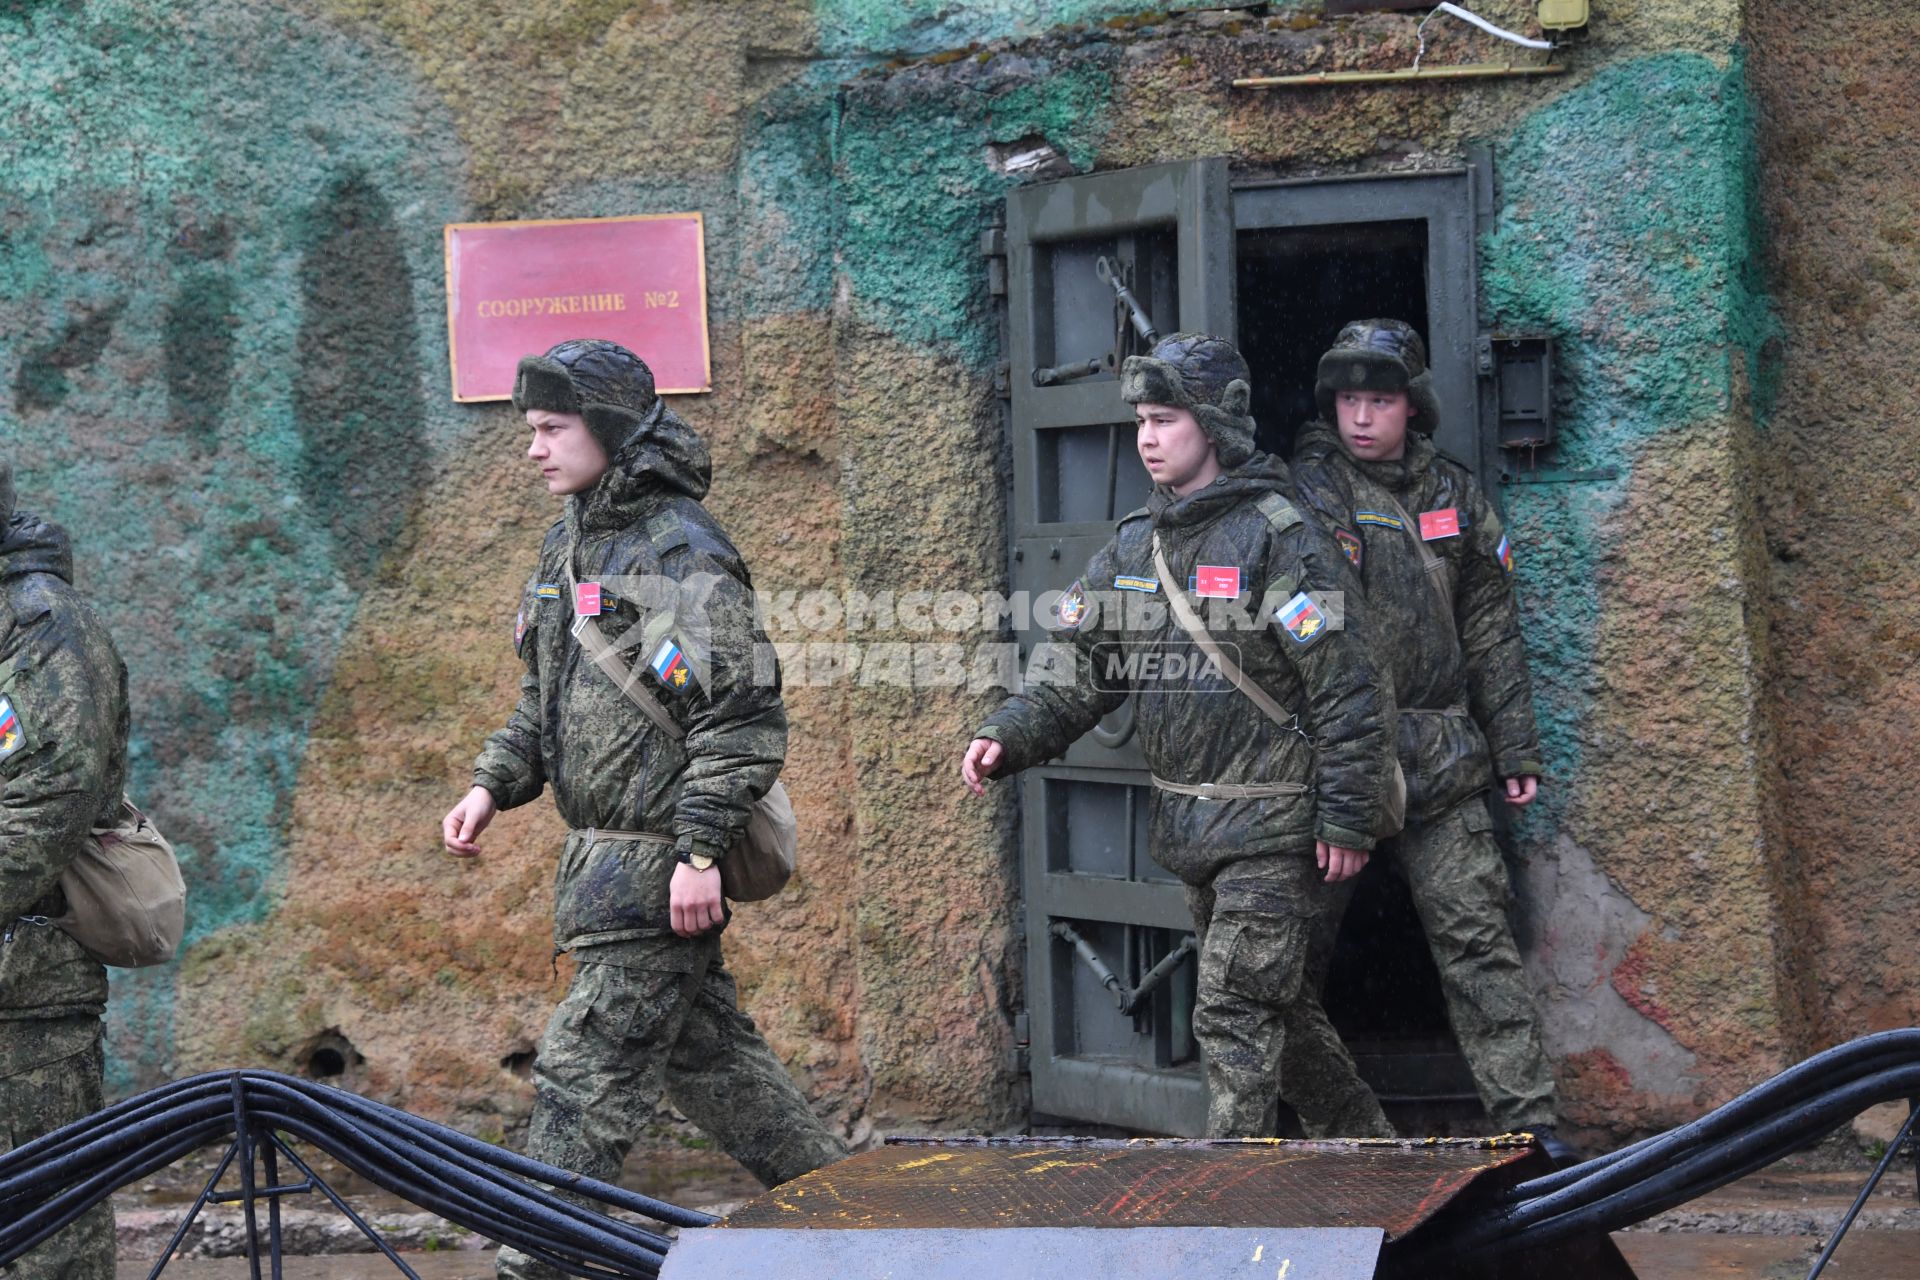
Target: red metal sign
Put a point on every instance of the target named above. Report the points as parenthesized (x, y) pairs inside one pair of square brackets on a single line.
[(517, 288)]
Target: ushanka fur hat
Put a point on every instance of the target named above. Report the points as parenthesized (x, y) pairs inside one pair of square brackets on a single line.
[(1204, 375), (602, 381), (1379, 355)]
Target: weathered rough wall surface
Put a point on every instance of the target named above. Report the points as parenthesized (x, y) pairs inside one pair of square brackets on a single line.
[(1840, 141), (225, 342)]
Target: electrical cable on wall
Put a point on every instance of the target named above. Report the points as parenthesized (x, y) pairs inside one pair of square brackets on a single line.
[(1466, 15)]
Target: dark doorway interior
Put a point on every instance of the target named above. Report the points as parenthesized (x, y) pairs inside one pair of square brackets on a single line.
[(1298, 285)]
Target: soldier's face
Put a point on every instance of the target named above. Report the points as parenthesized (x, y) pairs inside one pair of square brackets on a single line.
[(569, 458), (1173, 448), (1373, 424)]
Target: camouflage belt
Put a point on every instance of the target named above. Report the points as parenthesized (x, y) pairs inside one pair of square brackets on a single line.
[(590, 834), (1231, 790), (1455, 710)]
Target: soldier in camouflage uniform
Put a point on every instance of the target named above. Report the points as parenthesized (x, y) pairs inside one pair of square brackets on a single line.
[(1247, 811), (1434, 563), (652, 1007), (63, 760)]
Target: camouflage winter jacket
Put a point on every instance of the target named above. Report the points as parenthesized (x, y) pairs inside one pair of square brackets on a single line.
[(676, 600), (63, 759), (1193, 725), (1470, 657)]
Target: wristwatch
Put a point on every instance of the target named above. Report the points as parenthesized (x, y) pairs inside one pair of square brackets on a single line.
[(698, 861)]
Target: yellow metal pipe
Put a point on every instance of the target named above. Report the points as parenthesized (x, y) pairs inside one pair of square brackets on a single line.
[(1468, 71)]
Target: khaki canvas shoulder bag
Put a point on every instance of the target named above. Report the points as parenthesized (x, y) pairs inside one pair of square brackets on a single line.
[(126, 901), (762, 857), (1393, 805)]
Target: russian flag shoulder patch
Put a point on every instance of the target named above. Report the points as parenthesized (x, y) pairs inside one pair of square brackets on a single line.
[(670, 665), (13, 735)]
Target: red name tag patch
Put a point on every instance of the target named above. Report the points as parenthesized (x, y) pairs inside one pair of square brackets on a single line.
[(1440, 524), (586, 599), (1217, 582)]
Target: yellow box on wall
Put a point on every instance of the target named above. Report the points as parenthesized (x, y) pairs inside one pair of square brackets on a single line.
[(1561, 15)]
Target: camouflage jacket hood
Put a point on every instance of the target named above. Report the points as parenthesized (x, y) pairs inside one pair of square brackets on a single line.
[(63, 761), (665, 456), (1459, 670), (676, 600), (32, 545), (1193, 726)]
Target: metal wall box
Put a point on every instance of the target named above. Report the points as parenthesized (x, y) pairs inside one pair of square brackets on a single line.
[(1562, 15), (1522, 365)]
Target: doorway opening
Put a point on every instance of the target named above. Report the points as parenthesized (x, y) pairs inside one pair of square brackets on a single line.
[(1298, 285)]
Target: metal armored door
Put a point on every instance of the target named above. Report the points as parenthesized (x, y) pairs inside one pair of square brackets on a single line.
[(1103, 920)]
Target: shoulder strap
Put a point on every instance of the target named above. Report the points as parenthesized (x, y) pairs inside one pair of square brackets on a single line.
[(628, 679), (1190, 623), (1438, 575), (667, 531), (1279, 512)]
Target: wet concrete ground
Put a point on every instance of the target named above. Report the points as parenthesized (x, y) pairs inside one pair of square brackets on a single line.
[(1766, 1227)]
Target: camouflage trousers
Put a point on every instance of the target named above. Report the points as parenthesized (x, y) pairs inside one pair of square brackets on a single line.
[(654, 1016), (63, 1085), (1453, 868), (1256, 1004)]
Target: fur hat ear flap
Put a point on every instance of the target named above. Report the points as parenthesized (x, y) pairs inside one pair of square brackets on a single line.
[(1232, 433), (615, 426), (540, 383), (1426, 417), (1237, 399)]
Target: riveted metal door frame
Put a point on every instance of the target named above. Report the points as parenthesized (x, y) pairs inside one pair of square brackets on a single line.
[(1449, 201), (1193, 201)]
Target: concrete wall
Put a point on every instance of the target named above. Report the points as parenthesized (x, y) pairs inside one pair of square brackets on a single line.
[(225, 338)]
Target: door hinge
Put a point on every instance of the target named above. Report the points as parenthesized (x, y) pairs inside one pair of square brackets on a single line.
[(1020, 1055), (993, 247)]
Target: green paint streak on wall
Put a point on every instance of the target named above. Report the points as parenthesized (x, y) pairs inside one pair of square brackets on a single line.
[(167, 196), (913, 213), (851, 27), (1626, 232), (788, 204), (890, 179)]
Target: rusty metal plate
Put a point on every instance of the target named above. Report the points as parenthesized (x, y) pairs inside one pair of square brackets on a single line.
[(1029, 1253), (1065, 1182)]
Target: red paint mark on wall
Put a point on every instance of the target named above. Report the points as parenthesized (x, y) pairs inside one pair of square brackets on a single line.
[(1630, 978)]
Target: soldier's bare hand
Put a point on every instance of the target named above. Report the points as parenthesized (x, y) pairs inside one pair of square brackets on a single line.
[(983, 756), (1338, 863), (693, 900), (1522, 790), (465, 821)]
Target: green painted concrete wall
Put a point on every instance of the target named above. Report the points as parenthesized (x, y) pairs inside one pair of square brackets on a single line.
[(225, 344)]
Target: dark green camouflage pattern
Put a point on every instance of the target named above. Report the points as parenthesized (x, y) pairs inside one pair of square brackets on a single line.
[(1258, 1013), (1379, 355), (1459, 885), (648, 1017), (62, 1086), (669, 575), (647, 1011), (1206, 376), (1475, 659), (1200, 728), (1252, 879), (65, 773), (1466, 719)]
